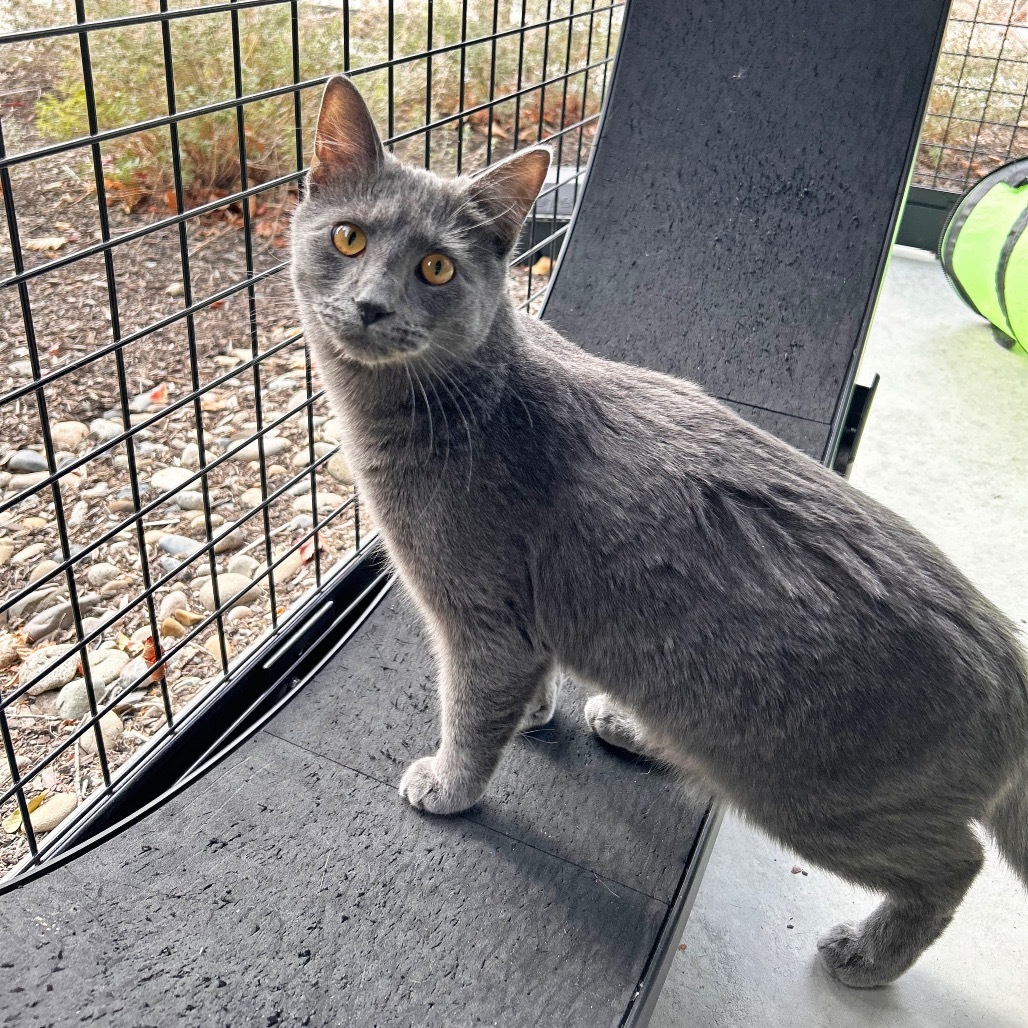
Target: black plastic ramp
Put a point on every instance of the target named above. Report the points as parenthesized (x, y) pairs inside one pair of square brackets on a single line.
[(292, 885), (743, 196)]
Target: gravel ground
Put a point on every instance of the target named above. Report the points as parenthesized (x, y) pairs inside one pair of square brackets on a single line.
[(72, 322), (71, 318)]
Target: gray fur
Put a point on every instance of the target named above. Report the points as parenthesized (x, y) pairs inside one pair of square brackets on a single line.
[(744, 615)]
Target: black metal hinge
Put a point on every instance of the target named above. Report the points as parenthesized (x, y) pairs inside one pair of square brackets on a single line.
[(857, 410)]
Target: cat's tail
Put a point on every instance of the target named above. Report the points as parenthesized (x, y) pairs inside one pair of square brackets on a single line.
[(1008, 822), (1007, 819)]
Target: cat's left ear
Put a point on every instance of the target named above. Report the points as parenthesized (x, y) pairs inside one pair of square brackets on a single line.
[(505, 192), (346, 143)]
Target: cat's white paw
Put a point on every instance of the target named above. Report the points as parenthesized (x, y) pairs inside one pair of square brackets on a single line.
[(536, 718), (843, 954), (424, 788), (611, 724)]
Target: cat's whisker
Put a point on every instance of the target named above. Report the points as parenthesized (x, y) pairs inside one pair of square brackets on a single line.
[(428, 408), (443, 378), (413, 408)]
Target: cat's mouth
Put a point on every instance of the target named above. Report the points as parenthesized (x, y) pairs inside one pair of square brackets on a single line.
[(373, 344)]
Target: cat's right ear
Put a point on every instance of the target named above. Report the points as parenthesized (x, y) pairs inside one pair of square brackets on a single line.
[(346, 143)]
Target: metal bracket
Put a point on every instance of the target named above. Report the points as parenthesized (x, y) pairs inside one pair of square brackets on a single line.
[(857, 410)]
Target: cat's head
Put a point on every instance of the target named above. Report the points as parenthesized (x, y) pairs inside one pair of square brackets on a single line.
[(391, 261)]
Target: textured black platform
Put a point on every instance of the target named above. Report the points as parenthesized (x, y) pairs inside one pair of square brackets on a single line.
[(733, 230), (744, 194), (292, 885)]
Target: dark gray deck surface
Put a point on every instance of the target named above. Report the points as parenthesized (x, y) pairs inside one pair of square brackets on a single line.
[(293, 886)]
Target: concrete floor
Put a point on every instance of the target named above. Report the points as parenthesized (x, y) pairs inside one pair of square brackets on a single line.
[(946, 446)]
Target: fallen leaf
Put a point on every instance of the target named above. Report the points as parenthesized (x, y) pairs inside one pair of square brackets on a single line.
[(45, 243), (160, 394), (150, 656), (307, 551), (543, 266), (12, 822)]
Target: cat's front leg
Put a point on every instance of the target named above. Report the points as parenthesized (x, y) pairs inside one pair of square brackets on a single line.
[(484, 694)]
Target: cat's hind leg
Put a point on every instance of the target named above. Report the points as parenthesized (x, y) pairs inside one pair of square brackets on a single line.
[(615, 725), (543, 704), (924, 885)]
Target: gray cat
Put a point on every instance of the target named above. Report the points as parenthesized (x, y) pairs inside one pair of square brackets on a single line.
[(744, 615)]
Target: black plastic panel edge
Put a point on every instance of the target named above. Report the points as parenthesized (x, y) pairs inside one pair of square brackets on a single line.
[(842, 400), (271, 677), (662, 954)]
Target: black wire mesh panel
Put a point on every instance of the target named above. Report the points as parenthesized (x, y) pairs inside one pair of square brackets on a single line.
[(171, 485), (977, 115)]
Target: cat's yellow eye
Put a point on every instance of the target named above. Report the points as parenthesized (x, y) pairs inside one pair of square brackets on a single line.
[(348, 239), (437, 269)]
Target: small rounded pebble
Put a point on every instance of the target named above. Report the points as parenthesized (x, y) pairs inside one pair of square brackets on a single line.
[(169, 478), (332, 430), (191, 456), (273, 446), (28, 553), (111, 728), (190, 499), (340, 470), (131, 673), (286, 570), (100, 574), (8, 651), (178, 545), (174, 601), (73, 699), (44, 567), (230, 542), (228, 586), (172, 629), (188, 617), (26, 462), (52, 811), (243, 564), (213, 646), (67, 435), (199, 521), (106, 665), (60, 671), (103, 430)]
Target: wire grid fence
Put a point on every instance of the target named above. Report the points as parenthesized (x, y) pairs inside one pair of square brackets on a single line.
[(171, 483), (977, 114)]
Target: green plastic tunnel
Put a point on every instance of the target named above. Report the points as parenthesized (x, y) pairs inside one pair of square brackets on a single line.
[(984, 250)]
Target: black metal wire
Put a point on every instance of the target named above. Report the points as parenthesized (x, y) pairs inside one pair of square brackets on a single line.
[(267, 94), (959, 147), (188, 208), (428, 82)]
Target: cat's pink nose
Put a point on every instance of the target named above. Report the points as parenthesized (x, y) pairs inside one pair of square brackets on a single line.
[(370, 311)]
